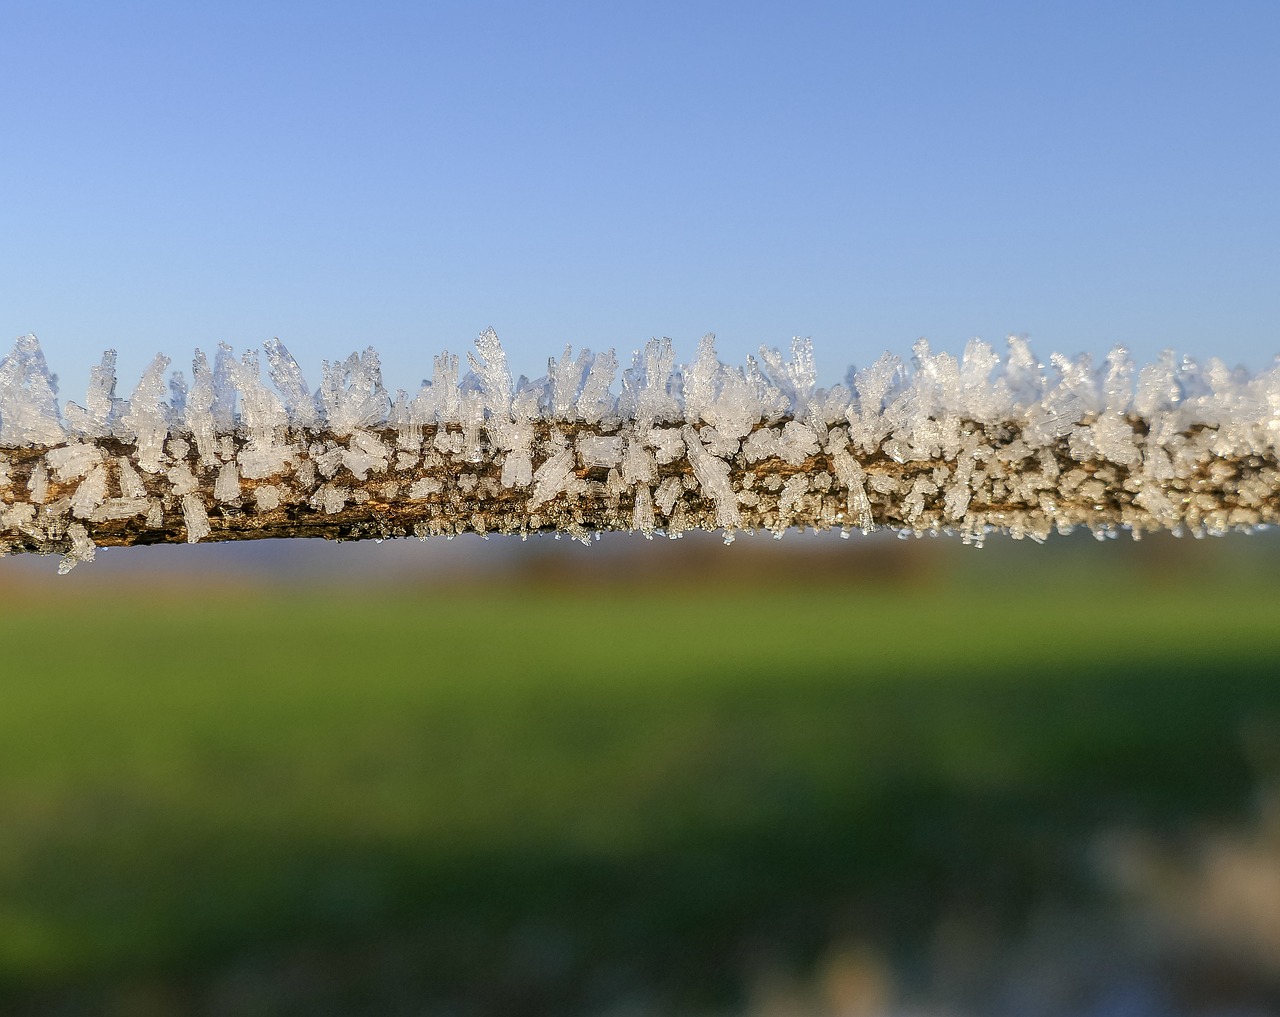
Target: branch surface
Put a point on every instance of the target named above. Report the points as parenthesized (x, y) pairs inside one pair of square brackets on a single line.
[(966, 447)]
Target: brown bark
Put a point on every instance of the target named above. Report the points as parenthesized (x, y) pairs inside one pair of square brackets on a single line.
[(430, 488)]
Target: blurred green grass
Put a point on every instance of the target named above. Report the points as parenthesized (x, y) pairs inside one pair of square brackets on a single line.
[(646, 781)]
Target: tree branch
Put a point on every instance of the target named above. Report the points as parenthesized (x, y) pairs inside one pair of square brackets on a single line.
[(429, 481)]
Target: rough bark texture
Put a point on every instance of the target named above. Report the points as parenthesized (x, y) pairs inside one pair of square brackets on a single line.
[(432, 482)]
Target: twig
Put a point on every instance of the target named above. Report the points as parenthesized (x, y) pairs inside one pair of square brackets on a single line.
[(163, 472)]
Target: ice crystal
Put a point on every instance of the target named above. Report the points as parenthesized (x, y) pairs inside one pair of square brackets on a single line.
[(28, 400)]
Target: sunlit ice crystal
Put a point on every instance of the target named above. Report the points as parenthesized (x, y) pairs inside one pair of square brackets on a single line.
[(146, 421), (28, 397)]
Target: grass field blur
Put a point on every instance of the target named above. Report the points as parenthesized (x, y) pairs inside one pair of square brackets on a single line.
[(533, 797)]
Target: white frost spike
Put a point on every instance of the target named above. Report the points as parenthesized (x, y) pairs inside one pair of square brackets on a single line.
[(598, 451), (120, 508), (82, 549), (195, 518), (552, 477), (131, 485), (647, 385), (974, 395), (737, 408), (28, 397), (713, 475), (873, 385), (491, 370), (38, 484), (91, 493), (1074, 397), (263, 416), (146, 421), (70, 462), (798, 377), (724, 397), (638, 464), (223, 405), (199, 411), (642, 518), (936, 380), (439, 401), (849, 475), (1111, 434), (1158, 387), (1118, 387), (700, 381), (287, 377), (97, 416), (261, 411), (565, 377), (227, 487), (595, 403), (517, 470), (351, 394)]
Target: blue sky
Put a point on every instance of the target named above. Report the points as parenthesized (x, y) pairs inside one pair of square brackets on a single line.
[(409, 174)]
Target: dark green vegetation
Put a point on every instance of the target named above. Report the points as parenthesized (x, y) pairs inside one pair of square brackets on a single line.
[(531, 798)]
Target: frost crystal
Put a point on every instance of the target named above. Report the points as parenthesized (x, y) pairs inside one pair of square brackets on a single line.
[(966, 445), (96, 418), (146, 421), (28, 401)]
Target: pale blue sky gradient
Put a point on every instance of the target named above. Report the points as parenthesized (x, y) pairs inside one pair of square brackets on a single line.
[(409, 174)]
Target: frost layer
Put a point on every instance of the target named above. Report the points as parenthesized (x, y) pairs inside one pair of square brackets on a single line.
[(972, 445)]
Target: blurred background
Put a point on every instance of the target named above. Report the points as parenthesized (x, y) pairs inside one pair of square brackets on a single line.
[(807, 777)]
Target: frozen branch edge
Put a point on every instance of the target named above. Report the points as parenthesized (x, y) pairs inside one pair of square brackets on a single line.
[(968, 446)]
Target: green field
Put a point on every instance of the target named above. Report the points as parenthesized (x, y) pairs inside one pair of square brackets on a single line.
[(526, 799)]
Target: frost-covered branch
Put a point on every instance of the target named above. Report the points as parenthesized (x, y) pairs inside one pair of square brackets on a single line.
[(970, 446)]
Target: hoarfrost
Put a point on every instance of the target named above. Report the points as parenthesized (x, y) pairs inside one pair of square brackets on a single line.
[(595, 402), (351, 394), (259, 460), (98, 415), (195, 518), (491, 370), (713, 474), (365, 453), (286, 375), (38, 484), (131, 484), (642, 515), (599, 452), (552, 477), (28, 398), (70, 462), (971, 444), (91, 492), (227, 487), (146, 421), (199, 418), (120, 508), (266, 497), (82, 549), (565, 379)]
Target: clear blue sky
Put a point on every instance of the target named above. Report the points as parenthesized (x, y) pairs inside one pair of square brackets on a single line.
[(407, 174)]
